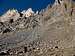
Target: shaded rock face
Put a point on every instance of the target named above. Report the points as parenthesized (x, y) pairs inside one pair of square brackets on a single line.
[(73, 0), (49, 33)]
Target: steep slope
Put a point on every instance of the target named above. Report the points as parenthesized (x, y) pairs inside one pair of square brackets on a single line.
[(47, 33)]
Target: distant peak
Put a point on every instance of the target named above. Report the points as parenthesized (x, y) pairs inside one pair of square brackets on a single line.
[(27, 13), (57, 2), (14, 14)]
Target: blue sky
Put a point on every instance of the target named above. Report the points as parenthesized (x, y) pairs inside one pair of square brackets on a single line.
[(23, 4)]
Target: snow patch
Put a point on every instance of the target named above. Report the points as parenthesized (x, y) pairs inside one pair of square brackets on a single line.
[(14, 14), (57, 2), (28, 13)]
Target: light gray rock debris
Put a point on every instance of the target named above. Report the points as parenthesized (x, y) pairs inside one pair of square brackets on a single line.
[(50, 32)]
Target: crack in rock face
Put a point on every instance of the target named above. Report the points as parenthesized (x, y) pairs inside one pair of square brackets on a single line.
[(50, 32)]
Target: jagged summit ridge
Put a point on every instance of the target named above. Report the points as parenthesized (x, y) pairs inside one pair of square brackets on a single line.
[(9, 15), (28, 13), (57, 2), (14, 14), (52, 30)]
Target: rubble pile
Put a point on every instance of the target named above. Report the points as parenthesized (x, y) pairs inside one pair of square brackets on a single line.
[(50, 32)]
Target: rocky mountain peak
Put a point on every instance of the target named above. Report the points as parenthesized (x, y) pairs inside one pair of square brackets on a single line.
[(50, 32), (14, 14), (28, 12), (58, 2), (10, 14)]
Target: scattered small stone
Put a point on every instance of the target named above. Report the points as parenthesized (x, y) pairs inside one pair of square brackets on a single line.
[(11, 21), (6, 30), (25, 49), (34, 28), (33, 48), (20, 52), (11, 53), (56, 47), (4, 53), (38, 49)]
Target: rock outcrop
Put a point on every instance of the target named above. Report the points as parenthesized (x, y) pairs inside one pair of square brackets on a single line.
[(50, 32), (28, 13), (10, 14), (15, 15)]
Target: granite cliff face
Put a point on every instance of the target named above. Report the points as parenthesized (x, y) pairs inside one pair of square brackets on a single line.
[(50, 32)]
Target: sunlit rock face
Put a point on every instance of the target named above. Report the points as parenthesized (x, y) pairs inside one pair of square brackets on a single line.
[(10, 14), (28, 13), (57, 2), (52, 30), (14, 14)]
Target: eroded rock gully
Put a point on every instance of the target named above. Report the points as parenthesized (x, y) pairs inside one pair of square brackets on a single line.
[(49, 33)]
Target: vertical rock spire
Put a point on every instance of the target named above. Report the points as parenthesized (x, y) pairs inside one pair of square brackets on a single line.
[(58, 2)]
